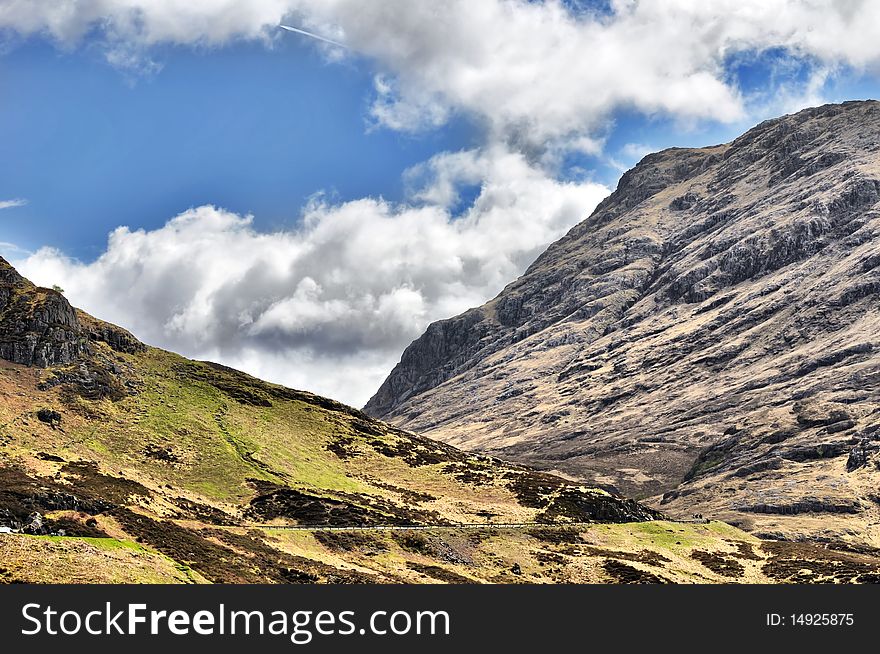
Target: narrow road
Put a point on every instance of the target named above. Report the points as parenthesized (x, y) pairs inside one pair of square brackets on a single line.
[(473, 525)]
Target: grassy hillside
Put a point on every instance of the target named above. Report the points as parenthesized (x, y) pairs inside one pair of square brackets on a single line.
[(186, 459)]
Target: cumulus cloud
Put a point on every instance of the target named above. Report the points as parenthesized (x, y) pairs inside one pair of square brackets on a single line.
[(328, 306), (537, 74), (145, 22)]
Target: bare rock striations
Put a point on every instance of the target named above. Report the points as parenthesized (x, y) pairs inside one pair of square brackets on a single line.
[(39, 327)]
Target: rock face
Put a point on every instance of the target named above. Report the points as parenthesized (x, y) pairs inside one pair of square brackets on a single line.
[(39, 327), (709, 335)]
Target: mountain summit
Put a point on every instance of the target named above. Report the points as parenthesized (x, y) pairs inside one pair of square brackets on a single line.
[(708, 336)]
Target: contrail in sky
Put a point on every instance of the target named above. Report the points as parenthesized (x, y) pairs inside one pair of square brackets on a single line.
[(314, 36), (10, 204)]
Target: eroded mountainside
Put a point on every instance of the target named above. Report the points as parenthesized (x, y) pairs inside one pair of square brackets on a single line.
[(708, 337)]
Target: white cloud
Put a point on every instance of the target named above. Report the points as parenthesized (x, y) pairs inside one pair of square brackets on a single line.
[(629, 155), (537, 74), (146, 22), (331, 305), (635, 151), (11, 204)]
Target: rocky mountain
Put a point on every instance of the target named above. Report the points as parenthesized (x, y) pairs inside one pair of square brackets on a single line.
[(706, 339)]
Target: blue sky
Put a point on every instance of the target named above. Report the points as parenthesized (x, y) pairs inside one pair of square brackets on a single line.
[(251, 129), (239, 193)]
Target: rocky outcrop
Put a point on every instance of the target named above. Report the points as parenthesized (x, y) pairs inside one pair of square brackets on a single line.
[(119, 340), (39, 327), (446, 347), (709, 332)]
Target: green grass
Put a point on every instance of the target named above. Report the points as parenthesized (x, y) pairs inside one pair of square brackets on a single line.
[(222, 442), (106, 544), (675, 535), (200, 432), (291, 439), (191, 575)]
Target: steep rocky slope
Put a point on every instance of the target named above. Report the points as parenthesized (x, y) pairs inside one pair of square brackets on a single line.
[(707, 338)]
